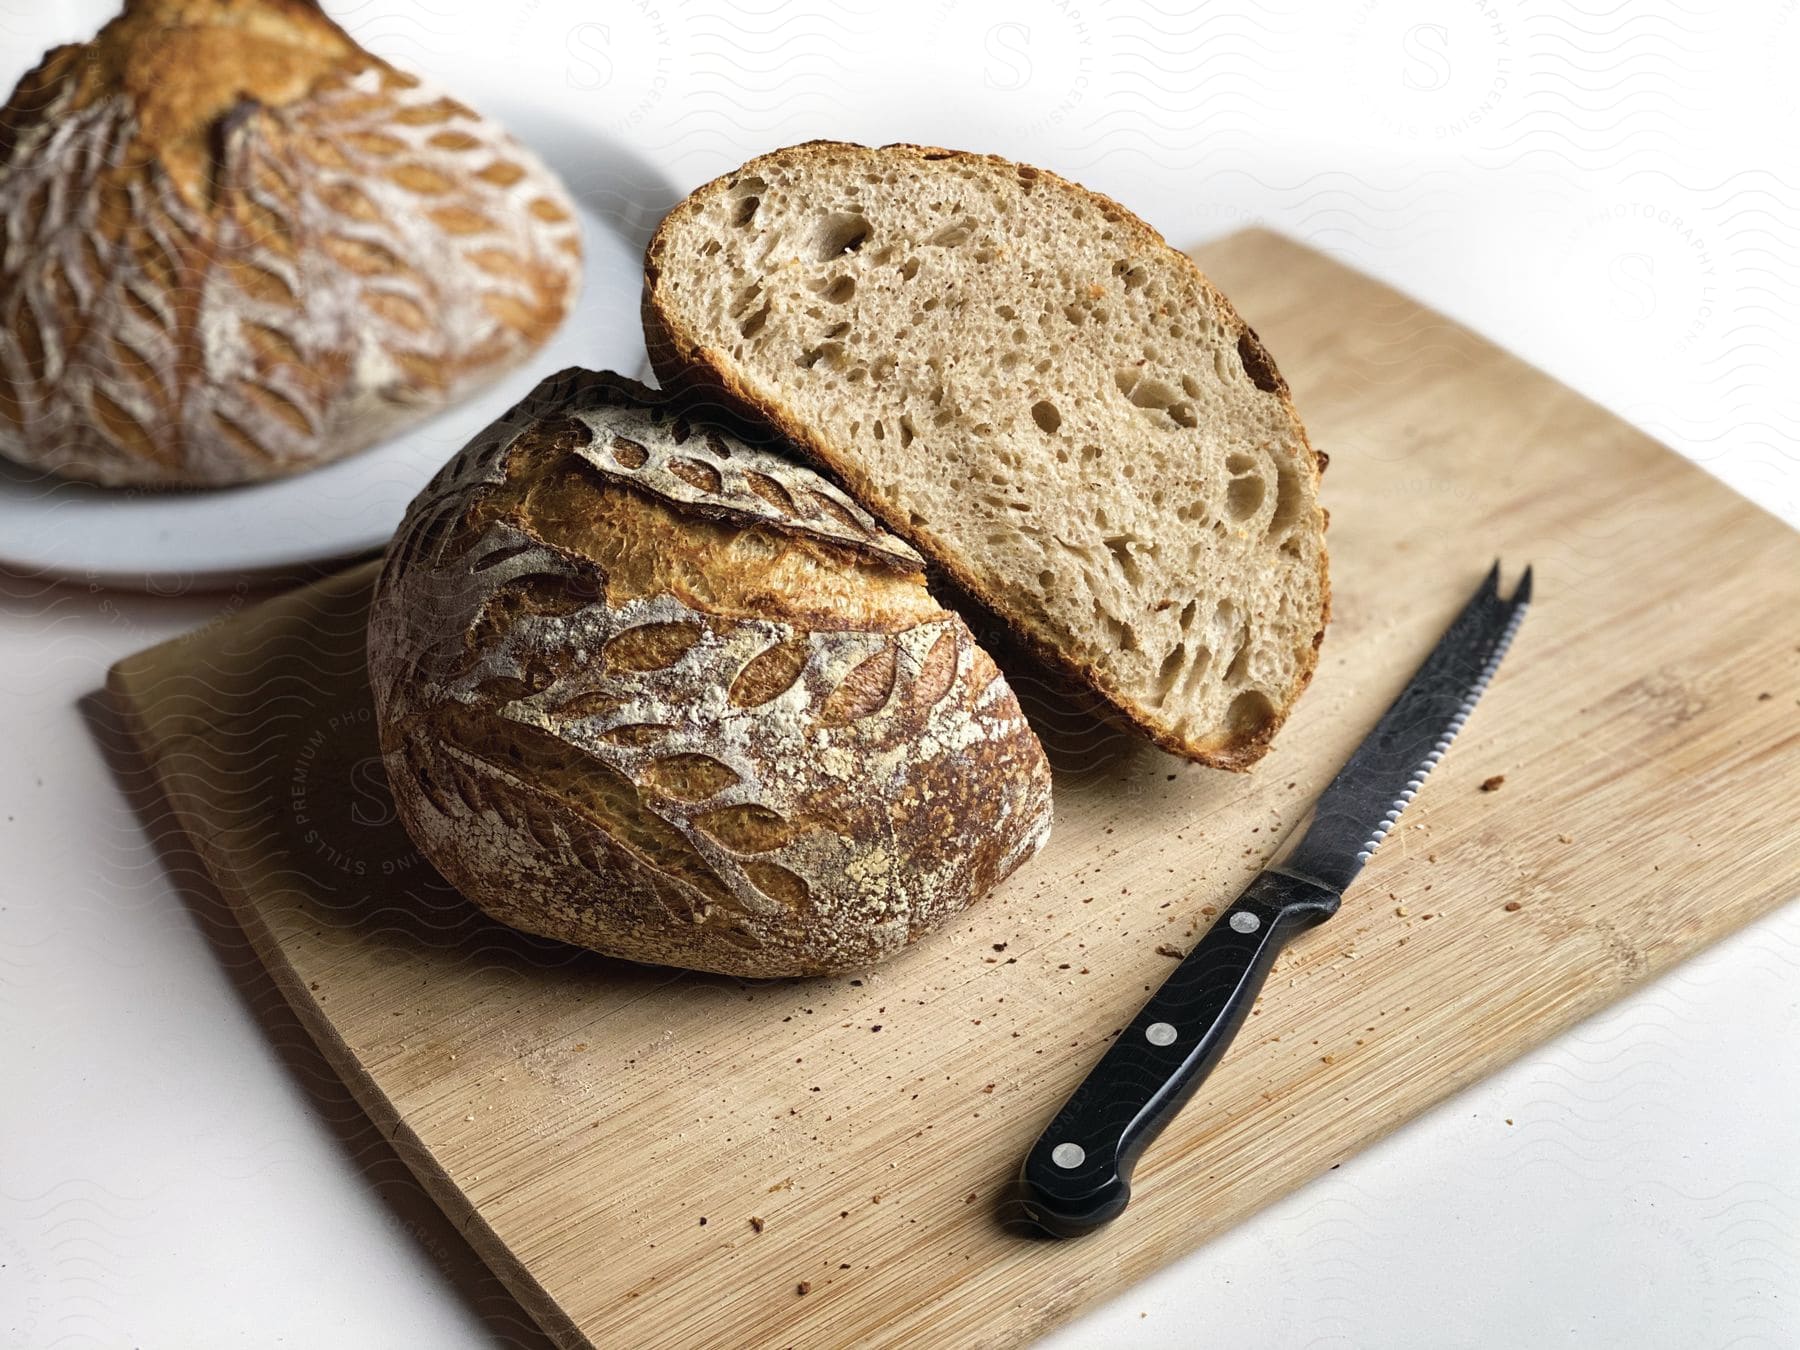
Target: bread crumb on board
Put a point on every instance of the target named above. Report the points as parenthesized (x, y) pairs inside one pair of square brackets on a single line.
[(756, 1223), (803, 1288), (1493, 782), (1512, 907)]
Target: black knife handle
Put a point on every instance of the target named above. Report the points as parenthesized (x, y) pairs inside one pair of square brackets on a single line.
[(1078, 1174)]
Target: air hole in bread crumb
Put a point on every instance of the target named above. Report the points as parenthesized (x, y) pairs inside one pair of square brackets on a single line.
[(1287, 501), (745, 211), (841, 290), (1190, 687), (953, 235), (1153, 394), (1044, 413), (1250, 713), (753, 325), (1122, 547), (906, 430), (909, 269), (1245, 496), (629, 452), (1182, 415), (841, 232), (1169, 672), (1239, 669)]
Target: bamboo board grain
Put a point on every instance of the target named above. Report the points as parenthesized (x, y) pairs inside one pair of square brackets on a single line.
[(606, 1133)]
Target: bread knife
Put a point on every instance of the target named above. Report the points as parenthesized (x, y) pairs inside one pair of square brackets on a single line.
[(1078, 1174)]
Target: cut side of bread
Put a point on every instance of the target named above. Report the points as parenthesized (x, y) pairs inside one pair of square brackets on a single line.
[(1027, 383)]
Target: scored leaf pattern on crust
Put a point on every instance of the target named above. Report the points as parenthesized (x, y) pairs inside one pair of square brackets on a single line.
[(357, 258), (803, 772), (783, 754), (663, 454)]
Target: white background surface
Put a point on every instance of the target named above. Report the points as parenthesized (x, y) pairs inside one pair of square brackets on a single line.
[(1611, 190)]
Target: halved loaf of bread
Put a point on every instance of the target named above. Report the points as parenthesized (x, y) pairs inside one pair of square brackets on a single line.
[(1025, 381)]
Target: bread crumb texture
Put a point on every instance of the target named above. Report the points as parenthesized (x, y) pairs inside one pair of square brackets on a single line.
[(647, 688), (1026, 382), (236, 245)]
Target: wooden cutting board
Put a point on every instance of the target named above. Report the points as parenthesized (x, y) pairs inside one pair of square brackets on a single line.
[(651, 1158)]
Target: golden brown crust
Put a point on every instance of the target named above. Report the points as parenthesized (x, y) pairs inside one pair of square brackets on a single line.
[(236, 246), (681, 361), (730, 731)]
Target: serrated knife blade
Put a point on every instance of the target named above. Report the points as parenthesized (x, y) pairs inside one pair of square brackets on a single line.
[(1077, 1176), (1360, 805)]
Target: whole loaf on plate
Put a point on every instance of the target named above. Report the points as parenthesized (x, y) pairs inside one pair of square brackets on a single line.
[(646, 688), (235, 245)]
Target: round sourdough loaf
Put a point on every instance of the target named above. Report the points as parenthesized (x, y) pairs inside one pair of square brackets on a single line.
[(648, 689), (234, 245)]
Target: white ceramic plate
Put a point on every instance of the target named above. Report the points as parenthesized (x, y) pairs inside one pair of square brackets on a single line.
[(175, 541)]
